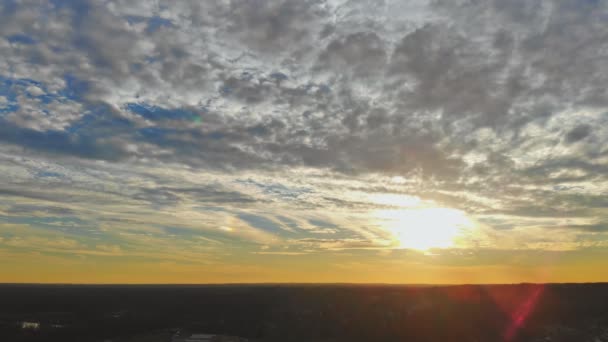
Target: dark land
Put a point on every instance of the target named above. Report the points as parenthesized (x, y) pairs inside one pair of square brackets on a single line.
[(525, 312)]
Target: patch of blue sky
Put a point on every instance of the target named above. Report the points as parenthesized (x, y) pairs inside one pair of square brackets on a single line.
[(68, 224), (66, 221), (50, 139), (166, 137), (153, 24), (97, 119), (322, 224), (176, 231), (57, 48), (11, 88), (279, 76), (79, 7), (61, 142), (137, 67), (8, 108), (324, 89), (155, 134), (9, 6), (216, 135), (49, 174), (28, 81), (75, 88), (85, 121), (135, 19), (20, 38), (8, 91), (61, 3), (329, 230), (48, 98), (156, 113), (100, 117), (152, 59), (289, 222), (213, 208), (262, 223), (226, 90), (156, 23)]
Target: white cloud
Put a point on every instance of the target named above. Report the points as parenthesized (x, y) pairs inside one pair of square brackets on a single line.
[(34, 90)]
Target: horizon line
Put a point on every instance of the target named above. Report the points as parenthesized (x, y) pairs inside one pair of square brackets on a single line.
[(301, 284)]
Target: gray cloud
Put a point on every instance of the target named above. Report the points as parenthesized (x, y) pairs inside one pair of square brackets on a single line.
[(578, 133), (32, 208), (599, 227), (270, 26), (362, 53), (29, 193)]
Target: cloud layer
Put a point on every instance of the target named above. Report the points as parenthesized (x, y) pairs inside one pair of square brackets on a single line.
[(208, 130)]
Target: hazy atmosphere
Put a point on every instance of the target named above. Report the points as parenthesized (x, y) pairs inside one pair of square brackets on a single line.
[(440, 141)]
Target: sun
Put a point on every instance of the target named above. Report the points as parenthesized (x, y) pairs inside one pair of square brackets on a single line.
[(424, 228)]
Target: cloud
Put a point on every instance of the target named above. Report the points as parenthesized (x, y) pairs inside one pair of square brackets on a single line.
[(598, 227), (340, 244), (29, 209), (578, 133), (362, 53)]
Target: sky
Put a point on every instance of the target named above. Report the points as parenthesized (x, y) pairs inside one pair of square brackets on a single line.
[(303, 141)]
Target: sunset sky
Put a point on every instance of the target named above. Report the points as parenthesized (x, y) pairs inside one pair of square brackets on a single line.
[(372, 141)]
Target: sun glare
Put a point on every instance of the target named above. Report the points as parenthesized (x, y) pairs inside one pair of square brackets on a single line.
[(425, 228)]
